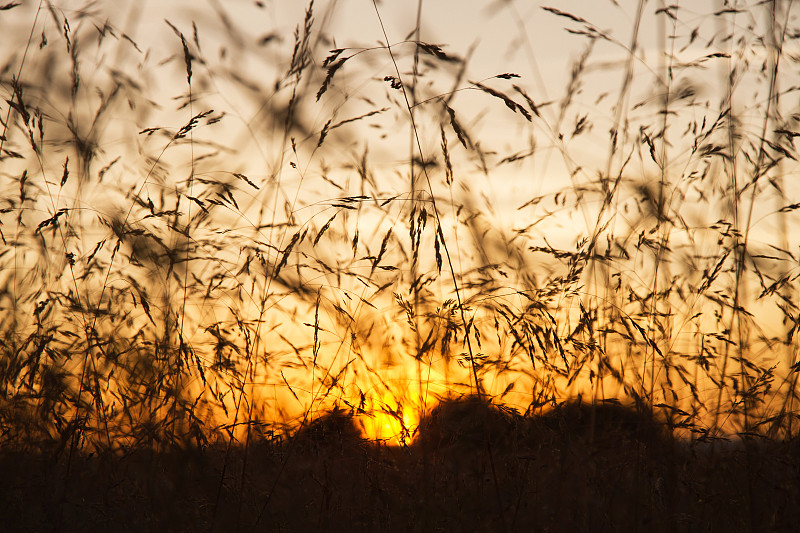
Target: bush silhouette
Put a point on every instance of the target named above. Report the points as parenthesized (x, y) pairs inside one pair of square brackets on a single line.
[(333, 431)]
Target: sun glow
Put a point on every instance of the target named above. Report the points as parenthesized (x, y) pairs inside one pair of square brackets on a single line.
[(390, 421)]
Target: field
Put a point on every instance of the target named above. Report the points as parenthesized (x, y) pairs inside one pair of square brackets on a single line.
[(270, 267), (474, 468)]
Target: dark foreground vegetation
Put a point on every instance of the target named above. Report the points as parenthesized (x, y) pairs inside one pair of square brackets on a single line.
[(215, 226), (472, 467)]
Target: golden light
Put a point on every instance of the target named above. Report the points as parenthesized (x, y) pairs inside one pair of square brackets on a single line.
[(390, 419)]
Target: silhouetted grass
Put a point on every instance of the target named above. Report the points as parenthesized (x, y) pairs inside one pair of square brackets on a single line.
[(226, 257), (581, 467)]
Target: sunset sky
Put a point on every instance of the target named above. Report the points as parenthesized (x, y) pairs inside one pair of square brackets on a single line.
[(527, 126)]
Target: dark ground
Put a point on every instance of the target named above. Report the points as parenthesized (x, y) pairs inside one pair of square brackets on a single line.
[(473, 467)]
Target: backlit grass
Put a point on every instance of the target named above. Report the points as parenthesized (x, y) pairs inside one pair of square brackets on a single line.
[(260, 244)]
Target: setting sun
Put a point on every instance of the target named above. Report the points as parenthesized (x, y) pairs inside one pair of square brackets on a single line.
[(271, 265), (387, 421)]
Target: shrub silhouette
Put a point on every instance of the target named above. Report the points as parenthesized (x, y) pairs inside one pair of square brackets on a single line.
[(333, 431), (466, 422), (473, 421), (604, 424)]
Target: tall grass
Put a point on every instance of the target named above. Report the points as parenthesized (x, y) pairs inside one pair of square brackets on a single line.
[(217, 234)]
